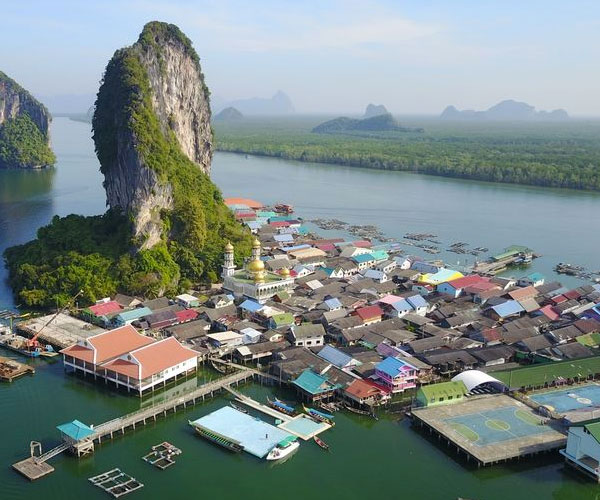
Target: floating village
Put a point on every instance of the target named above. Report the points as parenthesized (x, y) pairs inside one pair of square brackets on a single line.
[(496, 368)]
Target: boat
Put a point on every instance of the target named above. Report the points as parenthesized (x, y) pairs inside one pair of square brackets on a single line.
[(25, 347), (280, 406), (321, 443), (284, 208), (358, 411), (319, 416), (238, 408), (214, 437), (284, 448)]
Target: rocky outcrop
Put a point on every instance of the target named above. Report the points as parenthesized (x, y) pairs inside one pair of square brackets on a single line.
[(377, 123), (16, 101), (228, 114), (152, 108), (23, 115), (508, 110), (375, 110)]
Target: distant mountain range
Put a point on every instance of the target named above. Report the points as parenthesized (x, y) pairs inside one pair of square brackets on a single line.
[(279, 104), (375, 110), (507, 110), (378, 123)]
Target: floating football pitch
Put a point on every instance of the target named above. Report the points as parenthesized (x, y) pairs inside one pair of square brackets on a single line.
[(570, 399), (494, 426)]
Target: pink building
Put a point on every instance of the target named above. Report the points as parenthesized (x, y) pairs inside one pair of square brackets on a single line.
[(396, 375)]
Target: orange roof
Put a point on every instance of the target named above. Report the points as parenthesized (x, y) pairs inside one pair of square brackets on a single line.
[(80, 352), (158, 356), (243, 201), (523, 293), (361, 389), (108, 345), (123, 367)]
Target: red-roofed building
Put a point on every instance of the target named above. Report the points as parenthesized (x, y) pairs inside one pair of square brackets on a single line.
[(186, 315), (456, 287), (362, 244), (370, 314), (150, 366), (280, 223), (549, 312), (115, 356), (364, 393), (105, 308), (558, 299)]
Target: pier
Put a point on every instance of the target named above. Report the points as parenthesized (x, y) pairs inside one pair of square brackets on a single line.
[(35, 467)]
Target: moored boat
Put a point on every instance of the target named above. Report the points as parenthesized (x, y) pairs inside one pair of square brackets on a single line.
[(284, 448), (280, 406), (319, 415), (214, 437), (321, 443), (358, 411), (238, 408)]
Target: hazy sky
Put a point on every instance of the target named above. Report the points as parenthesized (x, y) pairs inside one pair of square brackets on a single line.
[(330, 56)]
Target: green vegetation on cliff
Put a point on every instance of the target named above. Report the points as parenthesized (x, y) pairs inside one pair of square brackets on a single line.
[(562, 155), (99, 254), (22, 144)]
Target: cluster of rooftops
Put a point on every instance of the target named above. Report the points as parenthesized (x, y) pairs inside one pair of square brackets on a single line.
[(368, 319)]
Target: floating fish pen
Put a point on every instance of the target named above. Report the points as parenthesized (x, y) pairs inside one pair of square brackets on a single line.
[(11, 369), (162, 455), (116, 482)]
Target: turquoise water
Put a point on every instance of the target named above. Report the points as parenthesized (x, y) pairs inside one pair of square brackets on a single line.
[(386, 459)]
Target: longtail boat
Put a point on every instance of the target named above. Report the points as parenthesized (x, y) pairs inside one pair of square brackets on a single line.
[(319, 415), (321, 443), (282, 407)]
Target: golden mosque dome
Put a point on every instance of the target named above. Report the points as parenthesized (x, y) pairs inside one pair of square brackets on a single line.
[(229, 247), (256, 243), (256, 266), (259, 277), (285, 272)]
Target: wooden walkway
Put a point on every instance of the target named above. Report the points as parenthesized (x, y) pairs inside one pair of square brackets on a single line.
[(35, 467)]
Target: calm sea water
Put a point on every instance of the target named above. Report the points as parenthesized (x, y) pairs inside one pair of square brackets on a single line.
[(385, 459)]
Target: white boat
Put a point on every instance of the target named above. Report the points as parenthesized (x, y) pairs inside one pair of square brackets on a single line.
[(284, 448)]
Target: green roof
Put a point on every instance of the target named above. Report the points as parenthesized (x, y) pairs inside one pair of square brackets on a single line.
[(589, 339), (549, 372), (443, 390), (313, 383), (510, 251), (283, 319), (76, 430), (592, 426)]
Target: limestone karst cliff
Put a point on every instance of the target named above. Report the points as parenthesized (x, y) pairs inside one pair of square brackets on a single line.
[(24, 128), (154, 142)]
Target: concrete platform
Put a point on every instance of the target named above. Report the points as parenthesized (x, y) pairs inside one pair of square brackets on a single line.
[(304, 427), (33, 469), (256, 436), (491, 429), (62, 332)]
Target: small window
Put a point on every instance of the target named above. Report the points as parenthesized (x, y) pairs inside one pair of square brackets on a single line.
[(441, 399)]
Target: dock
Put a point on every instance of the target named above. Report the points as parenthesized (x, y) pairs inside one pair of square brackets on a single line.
[(11, 369), (36, 467), (63, 331), (300, 426)]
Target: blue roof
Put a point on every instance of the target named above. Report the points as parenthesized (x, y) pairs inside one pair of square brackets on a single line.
[(417, 301), (296, 247), (334, 356), (76, 430), (250, 305), (365, 257), (283, 237), (402, 305), (256, 436), (313, 383), (508, 308), (134, 314), (333, 303), (391, 366)]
